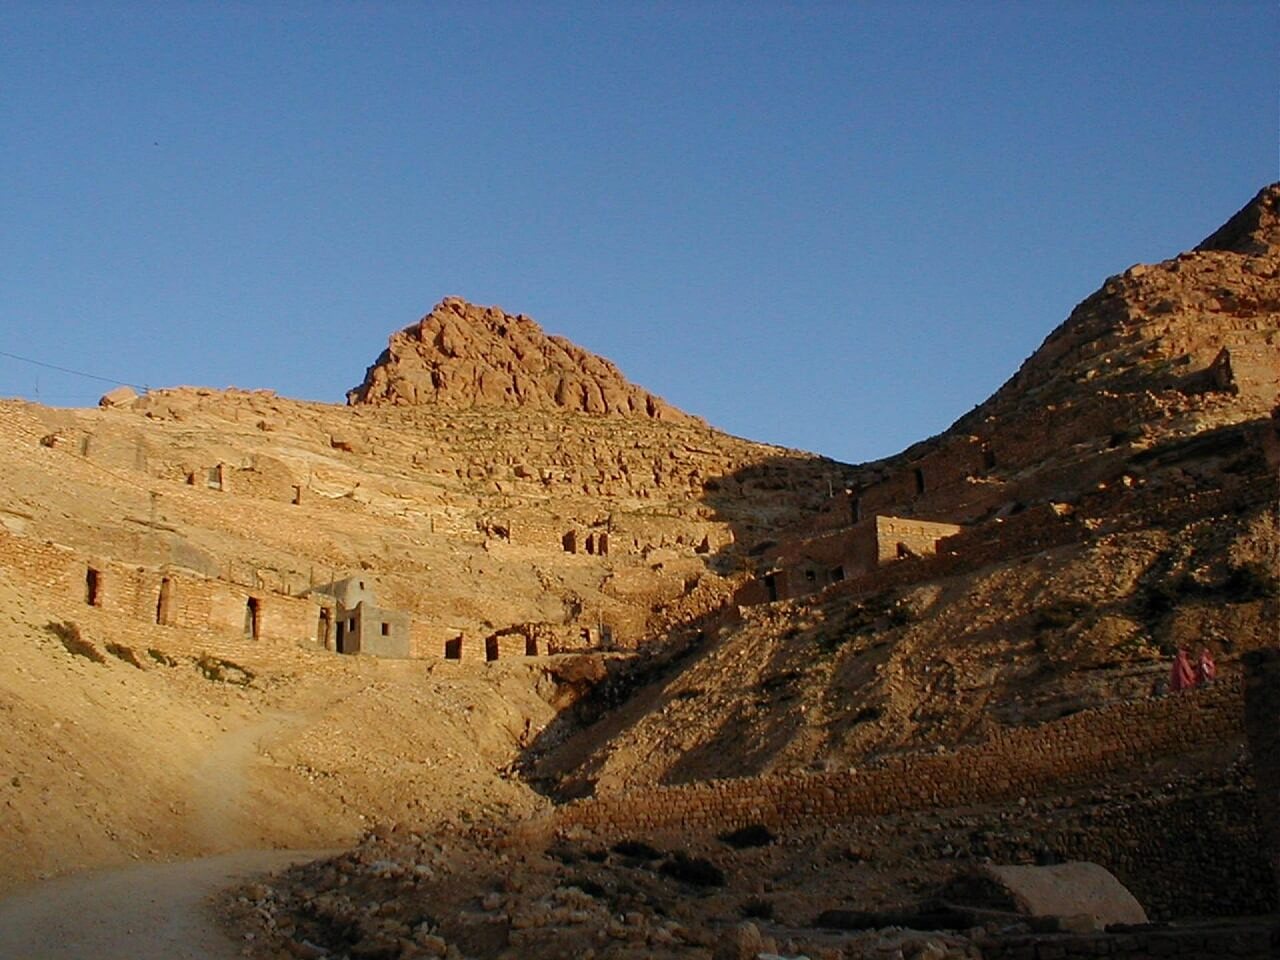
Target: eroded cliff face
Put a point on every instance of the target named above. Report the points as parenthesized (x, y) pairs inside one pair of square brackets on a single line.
[(461, 356)]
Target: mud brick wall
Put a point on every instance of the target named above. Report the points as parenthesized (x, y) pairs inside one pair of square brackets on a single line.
[(55, 570), (919, 536), (1082, 749), (1262, 723), (133, 592)]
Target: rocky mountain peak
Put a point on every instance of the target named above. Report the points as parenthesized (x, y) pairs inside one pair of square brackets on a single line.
[(462, 355), (1254, 230)]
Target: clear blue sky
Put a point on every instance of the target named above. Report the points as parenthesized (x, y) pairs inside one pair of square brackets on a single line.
[(831, 226)]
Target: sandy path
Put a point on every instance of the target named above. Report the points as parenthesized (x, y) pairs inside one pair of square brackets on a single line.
[(148, 912), (223, 815)]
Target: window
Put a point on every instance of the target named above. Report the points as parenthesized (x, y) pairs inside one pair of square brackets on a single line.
[(386, 629)]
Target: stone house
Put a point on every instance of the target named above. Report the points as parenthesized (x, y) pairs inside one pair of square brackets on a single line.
[(352, 622)]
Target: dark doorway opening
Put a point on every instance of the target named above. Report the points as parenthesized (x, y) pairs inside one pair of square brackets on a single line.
[(341, 642), (530, 647), (491, 648), (771, 586), (93, 588), (163, 602), (919, 475), (253, 618), (453, 649)]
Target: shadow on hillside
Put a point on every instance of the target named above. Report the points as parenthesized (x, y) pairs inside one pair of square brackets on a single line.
[(781, 498), (760, 504)]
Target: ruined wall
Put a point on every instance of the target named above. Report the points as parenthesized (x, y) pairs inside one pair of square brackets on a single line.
[(141, 594), (919, 537), (1081, 749), (802, 567), (265, 478), (1262, 722), (505, 645)]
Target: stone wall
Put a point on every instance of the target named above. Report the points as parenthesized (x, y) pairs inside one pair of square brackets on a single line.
[(1082, 749), (1262, 722), (1258, 940), (917, 537), (161, 597)]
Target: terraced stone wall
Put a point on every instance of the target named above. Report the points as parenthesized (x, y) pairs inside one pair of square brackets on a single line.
[(1088, 747)]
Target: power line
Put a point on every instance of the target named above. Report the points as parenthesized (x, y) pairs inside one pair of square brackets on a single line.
[(75, 373)]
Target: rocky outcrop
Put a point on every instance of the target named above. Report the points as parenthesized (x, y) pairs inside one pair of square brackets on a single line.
[(1253, 230), (461, 355)]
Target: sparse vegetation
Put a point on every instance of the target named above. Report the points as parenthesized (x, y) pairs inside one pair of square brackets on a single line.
[(121, 652), (879, 612), (69, 633), (1059, 615), (223, 671), (588, 886), (753, 835), (637, 850), (695, 871)]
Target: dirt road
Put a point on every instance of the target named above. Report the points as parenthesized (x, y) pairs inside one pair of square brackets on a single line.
[(147, 912)]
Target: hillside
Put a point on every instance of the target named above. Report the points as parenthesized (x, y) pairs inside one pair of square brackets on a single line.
[(1117, 499), (580, 591)]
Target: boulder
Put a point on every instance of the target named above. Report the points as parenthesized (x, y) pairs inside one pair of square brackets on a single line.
[(121, 396)]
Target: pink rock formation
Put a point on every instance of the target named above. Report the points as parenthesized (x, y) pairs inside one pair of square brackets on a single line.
[(463, 355)]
